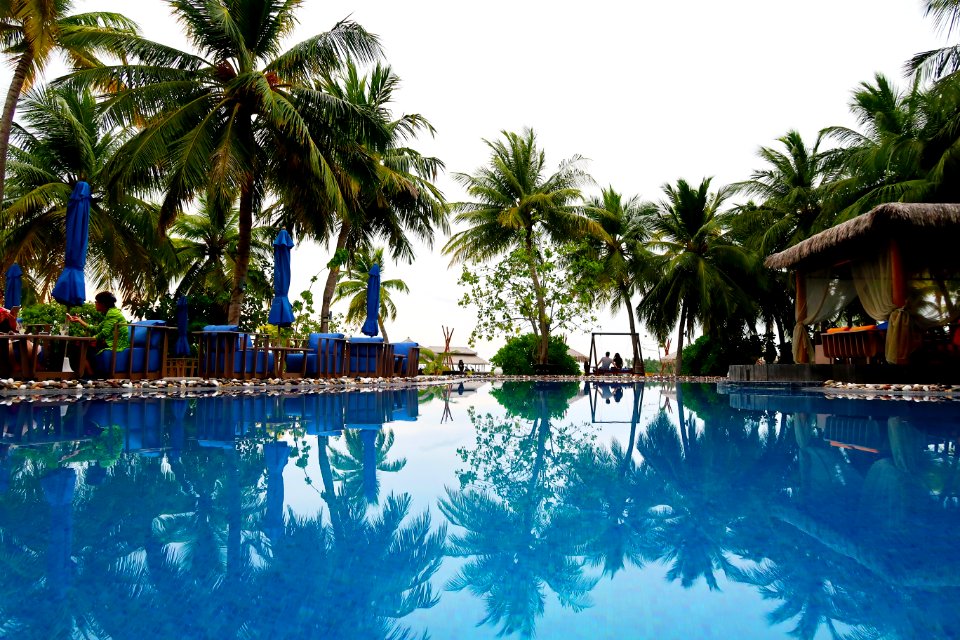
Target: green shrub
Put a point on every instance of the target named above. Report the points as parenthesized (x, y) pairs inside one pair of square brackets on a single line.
[(516, 358), (55, 315), (711, 356)]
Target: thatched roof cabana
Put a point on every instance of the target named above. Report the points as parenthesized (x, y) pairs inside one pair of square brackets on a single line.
[(937, 224), (899, 259)]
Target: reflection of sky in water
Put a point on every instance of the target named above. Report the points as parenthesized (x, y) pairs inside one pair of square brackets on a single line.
[(815, 514)]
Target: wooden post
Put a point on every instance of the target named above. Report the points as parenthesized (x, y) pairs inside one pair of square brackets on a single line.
[(898, 278), (447, 337), (801, 310)]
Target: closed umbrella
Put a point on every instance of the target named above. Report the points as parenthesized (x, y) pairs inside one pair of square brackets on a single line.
[(370, 327), (70, 289), (281, 314), (182, 348), (14, 286)]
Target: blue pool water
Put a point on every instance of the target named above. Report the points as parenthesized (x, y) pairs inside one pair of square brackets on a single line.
[(477, 511)]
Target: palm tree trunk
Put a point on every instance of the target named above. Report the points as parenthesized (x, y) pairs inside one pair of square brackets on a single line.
[(332, 276), (383, 329), (242, 263), (541, 303), (634, 338), (679, 352), (9, 108)]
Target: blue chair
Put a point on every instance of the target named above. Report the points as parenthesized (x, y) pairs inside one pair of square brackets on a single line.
[(324, 356), (144, 358), (369, 357), (406, 359), (219, 344)]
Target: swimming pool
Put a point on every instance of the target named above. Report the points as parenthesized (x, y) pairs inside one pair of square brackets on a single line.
[(560, 510)]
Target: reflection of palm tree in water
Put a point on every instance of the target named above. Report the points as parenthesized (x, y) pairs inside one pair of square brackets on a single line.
[(522, 540), (366, 453)]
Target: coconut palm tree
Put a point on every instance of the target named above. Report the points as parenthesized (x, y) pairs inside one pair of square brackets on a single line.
[(205, 246), (215, 119), (355, 289), (791, 189), (364, 457), (623, 257), (701, 268), (33, 31), (938, 63), (63, 139), (394, 199), (515, 203), (906, 151)]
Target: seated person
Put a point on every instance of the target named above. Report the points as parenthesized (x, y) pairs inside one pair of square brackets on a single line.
[(8, 324), (605, 362), (111, 333), (617, 362)]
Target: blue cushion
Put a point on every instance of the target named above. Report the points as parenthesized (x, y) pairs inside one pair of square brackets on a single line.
[(313, 340), (221, 327), (403, 348), (138, 333), (365, 340)]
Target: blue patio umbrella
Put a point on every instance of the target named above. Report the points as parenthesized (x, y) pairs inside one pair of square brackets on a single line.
[(13, 290), (281, 314), (70, 289), (182, 348), (370, 327)]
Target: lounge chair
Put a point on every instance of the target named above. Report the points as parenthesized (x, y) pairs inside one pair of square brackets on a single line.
[(144, 358), (406, 359), (324, 357), (369, 357), (248, 353)]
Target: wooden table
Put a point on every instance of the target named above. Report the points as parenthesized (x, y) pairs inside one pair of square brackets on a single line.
[(40, 340)]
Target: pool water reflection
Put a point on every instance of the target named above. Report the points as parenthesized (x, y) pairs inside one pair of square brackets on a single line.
[(550, 509)]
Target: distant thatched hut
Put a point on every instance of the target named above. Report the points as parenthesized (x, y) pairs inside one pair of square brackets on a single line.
[(899, 259)]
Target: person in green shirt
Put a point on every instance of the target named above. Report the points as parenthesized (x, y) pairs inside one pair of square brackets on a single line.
[(111, 332)]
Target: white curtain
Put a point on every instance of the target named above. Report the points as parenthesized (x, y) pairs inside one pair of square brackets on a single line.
[(873, 278), (827, 295)]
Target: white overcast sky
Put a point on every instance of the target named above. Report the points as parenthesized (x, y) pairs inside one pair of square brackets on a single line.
[(648, 92)]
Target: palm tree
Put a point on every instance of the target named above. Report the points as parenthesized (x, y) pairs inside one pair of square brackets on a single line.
[(214, 120), (791, 190), (623, 258), (364, 457), (700, 267), (395, 198), (205, 245), (65, 139), (515, 203), (938, 63), (906, 151), (34, 30), (356, 289)]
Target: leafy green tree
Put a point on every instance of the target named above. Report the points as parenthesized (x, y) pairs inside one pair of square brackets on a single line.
[(506, 304), (518, 356), (701, 269), (623, 261), (355, 289), (34, 31), (517, 206), (213, 121), (64, 139)]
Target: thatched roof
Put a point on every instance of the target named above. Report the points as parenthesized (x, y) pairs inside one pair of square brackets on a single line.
[(576, 355), (901, 220)]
